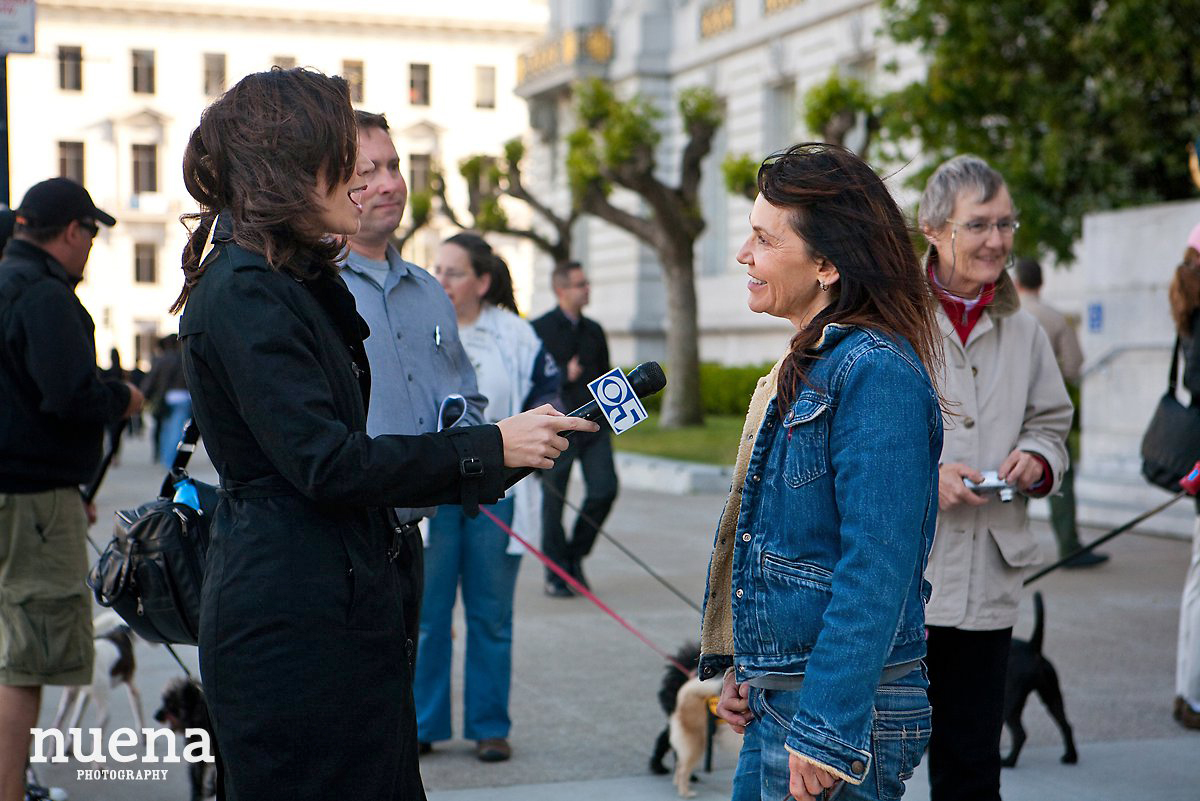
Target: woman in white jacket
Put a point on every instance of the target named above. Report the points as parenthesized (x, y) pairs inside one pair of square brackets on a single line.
[(1008, 411), (514, 373)]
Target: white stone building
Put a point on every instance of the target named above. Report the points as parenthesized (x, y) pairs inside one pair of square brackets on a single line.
[(760, 56), (115, 88)]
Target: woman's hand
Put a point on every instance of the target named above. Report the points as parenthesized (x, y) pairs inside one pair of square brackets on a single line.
[(951, 489), (806, 780), (732, 707), (1021, 469), (531, 439)]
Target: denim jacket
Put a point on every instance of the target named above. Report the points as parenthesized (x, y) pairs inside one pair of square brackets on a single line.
[(836, 522)]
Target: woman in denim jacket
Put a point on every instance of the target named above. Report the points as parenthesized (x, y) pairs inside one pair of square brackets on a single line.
[(815, 600)]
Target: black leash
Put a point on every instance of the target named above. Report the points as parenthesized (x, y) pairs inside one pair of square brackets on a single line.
[(1115, 532), (636, 559)]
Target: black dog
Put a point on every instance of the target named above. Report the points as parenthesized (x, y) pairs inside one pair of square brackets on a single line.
[(689, 657), (1028, 672), (184, 707)]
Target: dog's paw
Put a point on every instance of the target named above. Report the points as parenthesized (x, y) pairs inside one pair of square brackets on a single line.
[(1011, 762), (658, 768), (1070, 758)]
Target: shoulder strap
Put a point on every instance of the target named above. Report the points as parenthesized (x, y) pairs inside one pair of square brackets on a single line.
[(1172, 377)]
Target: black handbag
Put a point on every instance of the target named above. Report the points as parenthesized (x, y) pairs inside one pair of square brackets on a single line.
[(1171, 444), (152, 570)]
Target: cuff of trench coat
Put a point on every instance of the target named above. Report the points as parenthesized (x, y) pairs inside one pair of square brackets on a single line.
[(480, 451)]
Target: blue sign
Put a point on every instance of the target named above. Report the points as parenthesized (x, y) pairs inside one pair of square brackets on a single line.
[(617, 400), (1095, 317)]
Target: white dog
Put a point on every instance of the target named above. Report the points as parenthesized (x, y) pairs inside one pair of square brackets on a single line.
[(114, 664), (689, 727)]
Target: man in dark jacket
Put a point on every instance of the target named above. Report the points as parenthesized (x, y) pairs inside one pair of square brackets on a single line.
[(580, 348), (53, 410)]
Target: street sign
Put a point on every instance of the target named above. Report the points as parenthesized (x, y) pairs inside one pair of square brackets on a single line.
[(16, 26)]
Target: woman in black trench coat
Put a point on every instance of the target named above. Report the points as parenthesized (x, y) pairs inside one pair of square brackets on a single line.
[(304, 649)]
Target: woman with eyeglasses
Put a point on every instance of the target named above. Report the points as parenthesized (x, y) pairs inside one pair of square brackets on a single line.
[(1008, 412)]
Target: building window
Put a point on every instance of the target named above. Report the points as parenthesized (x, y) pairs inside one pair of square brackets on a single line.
[(70, 161), (145, 263), (145, 342), (214, 74), (145, 168), (352, 71), (485, 87), (420, 168), (284, 62), (70, 68), (143, 71), (781, 116), (418, 84)]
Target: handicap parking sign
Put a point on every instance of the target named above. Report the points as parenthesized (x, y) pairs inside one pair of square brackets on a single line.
[(617, 400)]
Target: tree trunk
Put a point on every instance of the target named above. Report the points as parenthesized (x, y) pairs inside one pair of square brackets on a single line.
[(681, 403)]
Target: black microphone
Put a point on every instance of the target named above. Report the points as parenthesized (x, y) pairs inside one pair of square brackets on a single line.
[(646, 379)]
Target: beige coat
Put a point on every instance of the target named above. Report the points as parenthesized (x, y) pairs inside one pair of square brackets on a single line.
[(1003, 390), (1063, 340)]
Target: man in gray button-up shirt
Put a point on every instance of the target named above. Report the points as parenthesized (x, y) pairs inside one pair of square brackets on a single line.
[(416, 357)]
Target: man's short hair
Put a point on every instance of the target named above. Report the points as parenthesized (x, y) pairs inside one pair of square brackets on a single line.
[(1029, 274), (562, 273), (366, 119), (38, 234)]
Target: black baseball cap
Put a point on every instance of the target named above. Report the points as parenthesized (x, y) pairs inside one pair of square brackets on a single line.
[(56, 202)]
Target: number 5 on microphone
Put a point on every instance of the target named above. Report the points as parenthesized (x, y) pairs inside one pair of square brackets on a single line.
[(617, 400)]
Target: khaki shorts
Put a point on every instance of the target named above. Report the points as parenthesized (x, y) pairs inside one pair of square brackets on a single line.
[(45, 609)]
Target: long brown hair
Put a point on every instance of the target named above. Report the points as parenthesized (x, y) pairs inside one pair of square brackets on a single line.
[(260, 151), (1184, 292), (844, 214)]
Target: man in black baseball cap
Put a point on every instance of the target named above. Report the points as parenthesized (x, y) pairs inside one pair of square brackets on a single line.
[(59, 216), (54, 407)]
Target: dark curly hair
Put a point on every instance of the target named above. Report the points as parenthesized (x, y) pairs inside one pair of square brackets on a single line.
[(1184, 292), (258, 154), (844, 214)]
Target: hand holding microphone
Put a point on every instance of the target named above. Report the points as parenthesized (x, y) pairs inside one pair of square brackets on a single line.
[(535, 438), (645, 379)]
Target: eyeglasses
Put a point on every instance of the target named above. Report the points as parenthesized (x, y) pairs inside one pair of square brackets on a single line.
[(981, 228), (90, 225)]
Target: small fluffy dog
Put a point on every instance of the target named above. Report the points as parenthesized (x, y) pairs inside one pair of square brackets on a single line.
[(183, 707), (685, 699), (1029, 672), (689, 657), (114, 664)]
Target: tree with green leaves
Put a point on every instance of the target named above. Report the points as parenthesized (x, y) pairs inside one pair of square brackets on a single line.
[(1082, 105), (487, 180), (615, 146), (420, 207)]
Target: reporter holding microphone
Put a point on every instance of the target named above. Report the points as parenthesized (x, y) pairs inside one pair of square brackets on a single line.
[(304, 652)]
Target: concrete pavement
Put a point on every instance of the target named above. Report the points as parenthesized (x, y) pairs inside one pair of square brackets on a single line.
[(584, 707)]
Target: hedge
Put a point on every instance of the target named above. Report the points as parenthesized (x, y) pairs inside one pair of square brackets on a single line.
[(723, 390)]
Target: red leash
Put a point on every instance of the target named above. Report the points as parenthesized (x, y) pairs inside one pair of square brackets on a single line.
[(584, 591)]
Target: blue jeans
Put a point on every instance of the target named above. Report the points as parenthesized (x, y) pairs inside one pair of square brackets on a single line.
[(473, 552), (171, 430), (899, 733)]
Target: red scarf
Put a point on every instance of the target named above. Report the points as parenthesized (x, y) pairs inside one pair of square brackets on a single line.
[(962, 318)]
